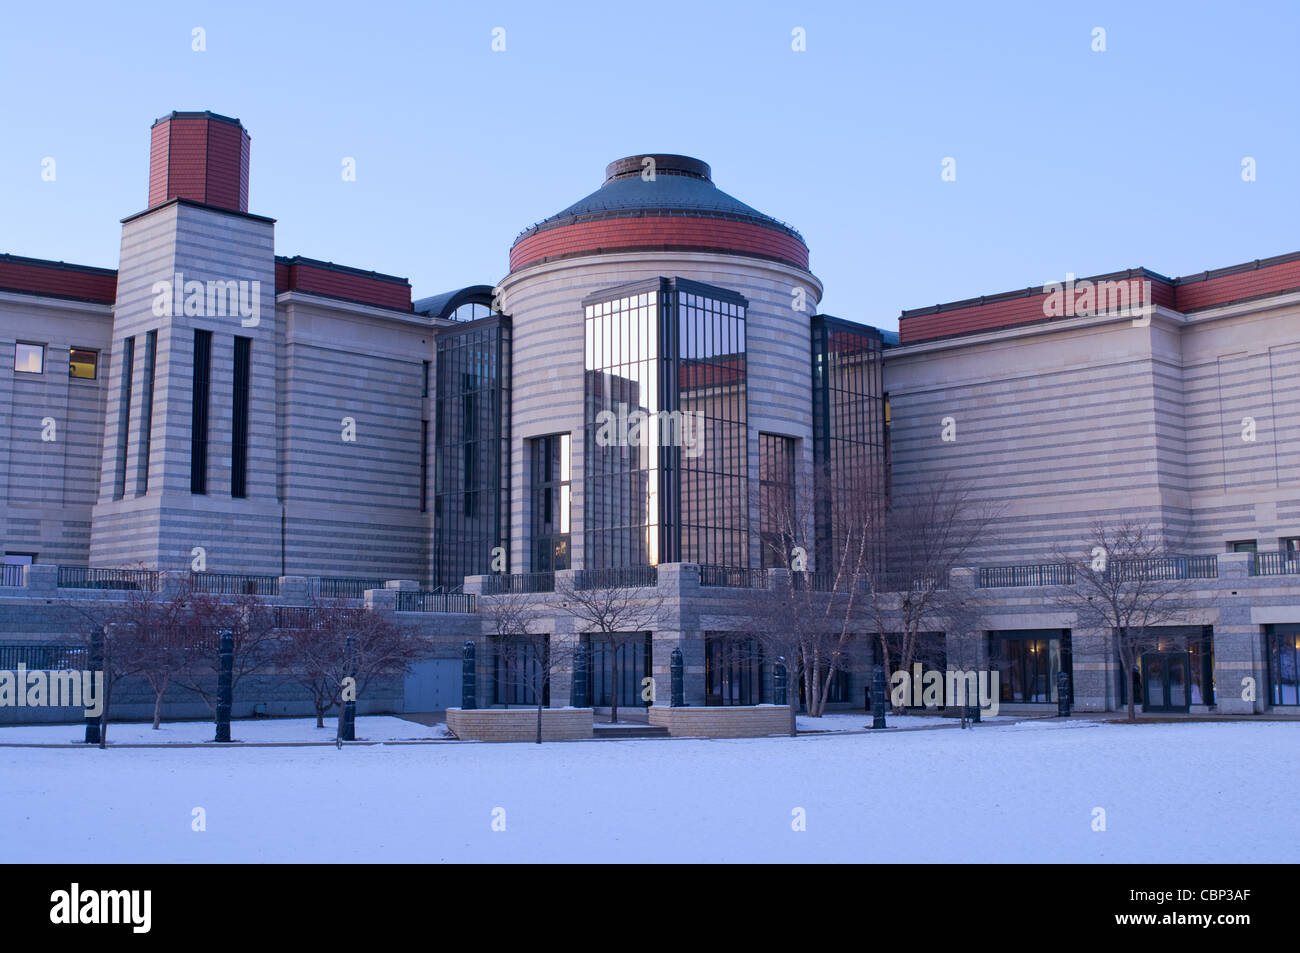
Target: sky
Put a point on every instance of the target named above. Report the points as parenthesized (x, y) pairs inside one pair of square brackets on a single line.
[(1065, 158)]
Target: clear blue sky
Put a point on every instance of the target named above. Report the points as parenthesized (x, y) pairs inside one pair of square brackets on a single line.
[(1067, 160)]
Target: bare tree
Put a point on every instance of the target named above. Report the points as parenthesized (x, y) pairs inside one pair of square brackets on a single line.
[(534, 659), (159, 628), (252, 625), (618, 614), (1128, 582), (928, 531), (314, 651)]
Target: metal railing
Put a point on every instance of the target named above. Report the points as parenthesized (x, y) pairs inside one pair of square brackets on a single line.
[(81, 577), (411, 601), (1167, 567), (11, 575), (1275, 564), (49, 657), (519, 583), (733, 577), (817, 581), (631, 577), (229, 583), (341, 588), (1043, 574)]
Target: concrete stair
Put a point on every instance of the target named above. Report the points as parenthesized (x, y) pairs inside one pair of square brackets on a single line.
[(628, 730)]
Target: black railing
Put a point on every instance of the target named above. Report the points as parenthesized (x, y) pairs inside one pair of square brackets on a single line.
[(1043, 574), (45, 657), (11, 575), (1275, 564), (733, 577), (629, 577), (412, 601), (228, 583), (520, 583), (1166, 568), (80, 577), (818, 581), (340, 588), (905, 582)]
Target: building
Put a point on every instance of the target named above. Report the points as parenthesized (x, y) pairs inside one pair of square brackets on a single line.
[(643, 399)]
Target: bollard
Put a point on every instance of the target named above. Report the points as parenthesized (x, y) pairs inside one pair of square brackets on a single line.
[(95, 661), (1063, 694), (225, 690), (468, 678), (579, 694), (780, 689), (878, 697), (348, 726), (675, 668)]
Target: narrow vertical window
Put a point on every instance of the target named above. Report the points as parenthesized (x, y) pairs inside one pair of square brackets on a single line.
[(239, 426), (146, 412), (199, 412), (424, 464), (123, 420)]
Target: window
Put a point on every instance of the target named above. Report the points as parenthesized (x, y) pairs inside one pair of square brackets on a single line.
[(19, 559), (1027, 662), (618, 669), (29, 358), (1291, 546), (1283, 664), (83, 363), (550, 503), (516, 672), (733, 670), (123, 419), (199, 412), (146, 411), (1244, 546), (778, 520), (239, 424)]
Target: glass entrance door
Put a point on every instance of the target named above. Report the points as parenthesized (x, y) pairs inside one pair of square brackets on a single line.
[(1165, 677)]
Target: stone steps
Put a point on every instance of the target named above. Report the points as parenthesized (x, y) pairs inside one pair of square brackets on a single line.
[(629, 731)]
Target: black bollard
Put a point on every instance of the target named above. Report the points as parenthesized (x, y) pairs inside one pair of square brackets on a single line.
[(675, 669), (780, 687), (348, 730), (468, 676), (95, 662), (579, 694), (878, 697), (1063, 694), (225, 681)]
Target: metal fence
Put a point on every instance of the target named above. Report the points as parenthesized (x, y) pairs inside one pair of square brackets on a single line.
[(1275, 564), (411, 601), (636, 577), (519, 583), (733, 577), (43, 656), (227, 583), (340, 588), (81, 577), (1044, 574)]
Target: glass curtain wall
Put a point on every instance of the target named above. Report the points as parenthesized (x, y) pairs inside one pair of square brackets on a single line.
[(473, 438), (666, 444), (551, 501)]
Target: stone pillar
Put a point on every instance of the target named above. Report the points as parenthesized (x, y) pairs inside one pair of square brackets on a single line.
[(477, 585), (1238, 652), (42, 578), (298, 590), (1096, 670), (381, 599)]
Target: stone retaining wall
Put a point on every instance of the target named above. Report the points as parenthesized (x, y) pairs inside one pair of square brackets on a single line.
[(519, 724), (723, 722)]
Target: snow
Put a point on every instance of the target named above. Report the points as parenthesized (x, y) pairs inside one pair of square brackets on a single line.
[(861, 722), (1022, 791), (264, 731)]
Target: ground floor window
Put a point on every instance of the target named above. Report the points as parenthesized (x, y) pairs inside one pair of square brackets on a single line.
[(1028, 661), (1176, 673), (733, 670), (1283, 646), (930, 651), (620, 668), (515, 674)]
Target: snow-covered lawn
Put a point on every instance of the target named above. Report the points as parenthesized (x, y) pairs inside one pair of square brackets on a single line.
[(860, 722), (369, 728), (1021, 791)]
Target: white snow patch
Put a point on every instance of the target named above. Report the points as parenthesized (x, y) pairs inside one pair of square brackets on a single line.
[(369, 728)]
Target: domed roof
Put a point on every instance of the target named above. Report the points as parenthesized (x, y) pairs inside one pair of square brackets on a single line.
[(681, 187)]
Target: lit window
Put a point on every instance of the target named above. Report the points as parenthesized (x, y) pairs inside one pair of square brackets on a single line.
[(29, 358), (82, 363)]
